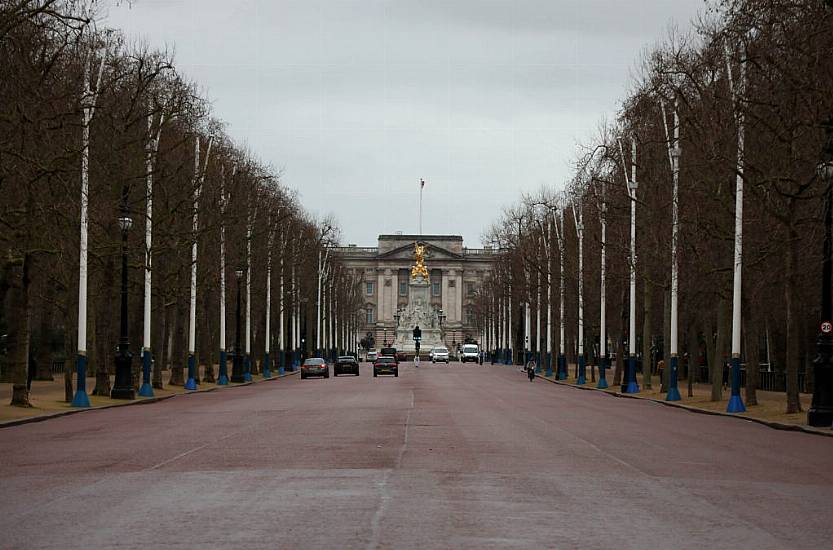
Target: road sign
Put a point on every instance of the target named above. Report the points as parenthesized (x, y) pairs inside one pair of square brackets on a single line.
[(827, 327)]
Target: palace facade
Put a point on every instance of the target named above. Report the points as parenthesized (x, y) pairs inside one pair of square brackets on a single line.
[(456, 273)]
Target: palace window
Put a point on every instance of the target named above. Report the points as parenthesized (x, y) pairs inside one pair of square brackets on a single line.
[(436, 289), (370, 316), (403, 288), (370, 289), (470, 316), (470, 288)]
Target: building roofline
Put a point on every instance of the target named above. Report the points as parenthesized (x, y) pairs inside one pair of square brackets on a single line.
[(409, 236)]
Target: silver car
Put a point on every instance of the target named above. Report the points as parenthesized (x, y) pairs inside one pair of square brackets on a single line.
[(439, 354)]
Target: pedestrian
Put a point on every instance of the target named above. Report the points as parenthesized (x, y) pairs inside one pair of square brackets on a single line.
[(660, 369)]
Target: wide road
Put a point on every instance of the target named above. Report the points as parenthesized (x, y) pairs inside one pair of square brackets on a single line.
[(441, 457)]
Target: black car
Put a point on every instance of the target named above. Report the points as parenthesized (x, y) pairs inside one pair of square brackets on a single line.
[(346, 364), (386, 365), (315, 366)]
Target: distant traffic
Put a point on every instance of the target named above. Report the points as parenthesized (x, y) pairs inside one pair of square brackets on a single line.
[(384, 361)]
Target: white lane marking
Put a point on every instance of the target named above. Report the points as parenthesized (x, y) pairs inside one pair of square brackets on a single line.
[(188, 452), (382, 486)]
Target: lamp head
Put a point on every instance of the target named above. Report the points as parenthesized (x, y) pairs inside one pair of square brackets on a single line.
[(125, 222), (825, 167)]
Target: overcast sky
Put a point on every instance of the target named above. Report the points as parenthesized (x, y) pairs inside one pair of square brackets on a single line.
[(356, 100)]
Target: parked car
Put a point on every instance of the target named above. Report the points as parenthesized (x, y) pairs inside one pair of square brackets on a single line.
[(386, 364), (469, 352), (315, 366), (439, 354), (346, 364), (372, 355)]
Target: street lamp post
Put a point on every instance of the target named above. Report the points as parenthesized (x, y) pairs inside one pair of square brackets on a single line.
[(579, 222), (396, 317), (538, 357), (821, 409), (562, 358), (673, 390), (546, 233), (237, 375), (123, 386), (267, 373), (630, 385), (603, 358)]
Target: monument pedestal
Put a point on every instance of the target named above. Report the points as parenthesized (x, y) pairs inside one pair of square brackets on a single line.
[(418, 313)]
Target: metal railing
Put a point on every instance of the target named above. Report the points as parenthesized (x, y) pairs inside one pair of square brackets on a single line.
[(57, 366), (355, 249), (767, 380)]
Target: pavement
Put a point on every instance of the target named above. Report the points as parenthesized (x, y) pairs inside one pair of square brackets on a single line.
[(440, 457)]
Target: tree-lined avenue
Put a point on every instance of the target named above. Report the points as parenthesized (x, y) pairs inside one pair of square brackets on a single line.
[(441, 457)]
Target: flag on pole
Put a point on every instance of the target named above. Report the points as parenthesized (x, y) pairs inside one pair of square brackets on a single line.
[(421, 183)]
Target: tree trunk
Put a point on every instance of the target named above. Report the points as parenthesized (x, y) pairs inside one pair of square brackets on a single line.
[(207, 344), (103, 321), (177, 374), (18, 315), (69, 347), (169, 334), (620, 346), (647, 313), (693, 364), (69, 370), (717, 356), (666, 340), (753, 360), (43, 354), (790, 296)]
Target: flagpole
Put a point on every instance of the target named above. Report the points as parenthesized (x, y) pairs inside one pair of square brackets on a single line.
[(421, 185)]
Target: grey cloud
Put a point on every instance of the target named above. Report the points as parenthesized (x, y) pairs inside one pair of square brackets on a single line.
[(357, 100)]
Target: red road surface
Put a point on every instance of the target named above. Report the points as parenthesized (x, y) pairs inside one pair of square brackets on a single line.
[(441, 457)]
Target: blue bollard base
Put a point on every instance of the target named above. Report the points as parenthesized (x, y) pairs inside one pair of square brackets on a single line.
[(247, 377), (632, 387), (673, 394), (191, 384), (222, 380), (549, 373), (602, 385), (81, 400), (562, 376), (581, 381), (735, 405), (281, 371), (267, 374), (146, 390)]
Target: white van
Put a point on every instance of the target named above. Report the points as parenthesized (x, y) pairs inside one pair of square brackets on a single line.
[(469, 352)]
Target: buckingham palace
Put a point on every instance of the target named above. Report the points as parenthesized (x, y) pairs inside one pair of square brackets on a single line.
[(455, 273)]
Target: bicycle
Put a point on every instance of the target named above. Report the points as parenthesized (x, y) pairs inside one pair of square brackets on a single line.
[(530, 369)]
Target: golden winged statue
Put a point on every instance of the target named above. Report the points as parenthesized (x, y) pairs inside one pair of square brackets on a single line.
[(419, 265)]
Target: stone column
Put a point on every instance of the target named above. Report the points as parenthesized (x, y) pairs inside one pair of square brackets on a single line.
[(444, 286), (459, 296), (378, 296)]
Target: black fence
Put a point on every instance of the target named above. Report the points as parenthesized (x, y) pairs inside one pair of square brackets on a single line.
[(767, 380)]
